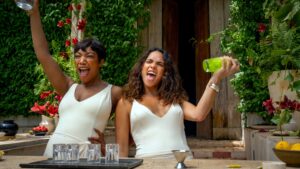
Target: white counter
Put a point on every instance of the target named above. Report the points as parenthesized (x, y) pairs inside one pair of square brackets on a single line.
[(259, 145)]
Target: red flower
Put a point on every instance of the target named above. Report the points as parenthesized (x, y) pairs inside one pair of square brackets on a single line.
[(60, 23), (70, 7), (58, 98), (261, 27), (52, 110), (68, 21), (64, 55), (67, 43), (269, 106), (38, 109), (81, 24), (74, 41), (78, 7), (48, 104), (289, 104), (286, 104), (45, 94)]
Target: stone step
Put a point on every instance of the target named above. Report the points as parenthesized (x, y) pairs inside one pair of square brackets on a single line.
[(220, 152), (224, 149), (198, 143)]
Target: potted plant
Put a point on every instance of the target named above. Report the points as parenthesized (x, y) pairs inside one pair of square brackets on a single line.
[(47, 106), (277, 59), (280, 47), (282, 112)]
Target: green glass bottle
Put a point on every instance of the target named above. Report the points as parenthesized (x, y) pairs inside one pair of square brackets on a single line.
[(212, 64)]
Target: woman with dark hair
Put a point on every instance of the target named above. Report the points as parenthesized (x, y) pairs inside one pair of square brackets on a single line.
[(85, 107), (154, 105)]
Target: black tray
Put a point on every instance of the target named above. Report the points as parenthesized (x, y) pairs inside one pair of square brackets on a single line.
[(123, 164)]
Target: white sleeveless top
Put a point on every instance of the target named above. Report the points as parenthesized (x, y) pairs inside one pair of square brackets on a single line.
[(78, 118), (156, 136)]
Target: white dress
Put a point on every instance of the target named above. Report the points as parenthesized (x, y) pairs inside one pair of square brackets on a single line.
[(78, 118), (155, 136)]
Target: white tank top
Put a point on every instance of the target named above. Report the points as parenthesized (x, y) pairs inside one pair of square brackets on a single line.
[(156, 136), (78, 118)]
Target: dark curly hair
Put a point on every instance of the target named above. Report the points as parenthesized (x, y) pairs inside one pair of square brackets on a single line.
[(170, 89)]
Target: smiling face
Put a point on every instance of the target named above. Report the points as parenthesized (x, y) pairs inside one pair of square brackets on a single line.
[(87, 65), (153, 69)]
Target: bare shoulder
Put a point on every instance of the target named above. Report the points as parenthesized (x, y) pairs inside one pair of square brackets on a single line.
[(116, 93), (124, 105)]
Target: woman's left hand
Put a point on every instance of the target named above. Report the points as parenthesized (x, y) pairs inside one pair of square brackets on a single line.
[(98, 140)]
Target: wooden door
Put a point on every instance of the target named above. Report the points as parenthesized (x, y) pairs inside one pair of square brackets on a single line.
[(183, 21), (204, 129), (170, 28)]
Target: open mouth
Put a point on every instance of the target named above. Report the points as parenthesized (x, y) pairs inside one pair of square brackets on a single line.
[(151, 75), (83, 71)]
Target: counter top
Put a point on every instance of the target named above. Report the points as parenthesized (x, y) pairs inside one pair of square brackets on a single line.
[(12, 162), (24, 144), (259, 144)]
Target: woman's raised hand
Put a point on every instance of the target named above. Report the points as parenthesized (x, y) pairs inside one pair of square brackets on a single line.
[(229, 67)]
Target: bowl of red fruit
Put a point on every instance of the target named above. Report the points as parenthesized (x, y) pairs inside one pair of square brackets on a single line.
[(39, 130)]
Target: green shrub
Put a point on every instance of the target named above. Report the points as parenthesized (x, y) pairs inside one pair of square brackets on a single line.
[(112, 22), (17, 57), (241, 39)]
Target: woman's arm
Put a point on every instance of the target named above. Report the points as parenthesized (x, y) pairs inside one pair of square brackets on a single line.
[(123, 126), (199, 112), (116, 93), (59, 81)]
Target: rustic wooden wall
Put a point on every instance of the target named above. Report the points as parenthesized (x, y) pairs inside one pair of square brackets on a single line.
[(226, 120), (152, 35)]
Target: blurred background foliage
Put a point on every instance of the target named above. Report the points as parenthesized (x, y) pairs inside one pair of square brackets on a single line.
[(112, 22)]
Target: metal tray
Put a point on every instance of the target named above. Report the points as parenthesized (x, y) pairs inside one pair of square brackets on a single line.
[(123, 164)]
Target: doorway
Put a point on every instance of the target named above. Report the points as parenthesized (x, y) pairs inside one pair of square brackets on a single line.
[(186, 53), (180, 31)]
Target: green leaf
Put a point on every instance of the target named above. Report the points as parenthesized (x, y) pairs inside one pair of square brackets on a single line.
[(296, 85)]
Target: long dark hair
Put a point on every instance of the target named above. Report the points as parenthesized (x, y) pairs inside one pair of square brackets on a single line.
[(170, 89)]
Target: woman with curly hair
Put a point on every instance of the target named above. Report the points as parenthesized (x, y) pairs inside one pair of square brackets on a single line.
[(154, 106)]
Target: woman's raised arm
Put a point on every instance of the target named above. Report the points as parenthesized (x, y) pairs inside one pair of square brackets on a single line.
[(54, 73), (199, 112)]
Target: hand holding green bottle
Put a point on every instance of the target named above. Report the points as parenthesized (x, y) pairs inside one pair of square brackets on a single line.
[(213, 64)]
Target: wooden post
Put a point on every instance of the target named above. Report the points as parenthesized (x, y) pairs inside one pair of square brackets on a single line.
[(75, 33), (226, 120)]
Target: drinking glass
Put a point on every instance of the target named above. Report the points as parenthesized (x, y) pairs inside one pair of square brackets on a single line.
[(112, 153), (94, 153), (25, 4), (72, 153), (59, 152)]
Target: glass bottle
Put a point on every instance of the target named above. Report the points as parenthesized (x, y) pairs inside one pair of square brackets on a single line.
[(212, 64)]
